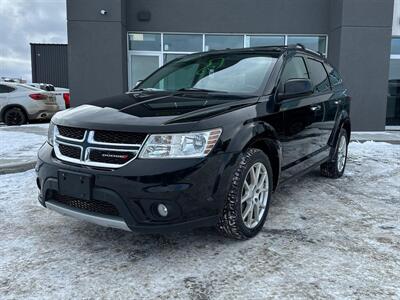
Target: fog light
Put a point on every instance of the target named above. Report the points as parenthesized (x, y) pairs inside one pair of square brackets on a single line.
[(162, 210)]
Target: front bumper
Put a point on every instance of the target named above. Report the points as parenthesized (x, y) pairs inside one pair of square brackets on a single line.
[(193, 190)]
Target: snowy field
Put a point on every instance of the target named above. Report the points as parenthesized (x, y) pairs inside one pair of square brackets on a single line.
[(323, 238), (19, 144)]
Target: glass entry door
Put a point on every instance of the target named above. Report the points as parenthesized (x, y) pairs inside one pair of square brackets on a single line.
[(142, 65), (393, 100)]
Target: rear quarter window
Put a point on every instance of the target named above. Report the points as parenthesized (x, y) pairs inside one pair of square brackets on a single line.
[(318, 75), (6, 89), (334, 76)]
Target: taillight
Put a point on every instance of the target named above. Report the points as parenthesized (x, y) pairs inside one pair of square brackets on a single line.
[(66, 100), (38, 96)]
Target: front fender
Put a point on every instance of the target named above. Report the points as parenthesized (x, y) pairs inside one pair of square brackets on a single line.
[(261, 135), (250, 131)]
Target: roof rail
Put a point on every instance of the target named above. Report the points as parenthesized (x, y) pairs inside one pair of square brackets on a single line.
[(302, 47)]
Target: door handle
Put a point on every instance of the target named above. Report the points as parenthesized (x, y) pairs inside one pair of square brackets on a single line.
[(315, 108)]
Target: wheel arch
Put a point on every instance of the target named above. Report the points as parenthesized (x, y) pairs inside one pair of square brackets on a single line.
[(261, 135), (8, 106), (346, 125), (343, 122)]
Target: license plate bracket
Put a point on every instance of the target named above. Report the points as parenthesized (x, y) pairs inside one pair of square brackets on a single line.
[(74, 184)]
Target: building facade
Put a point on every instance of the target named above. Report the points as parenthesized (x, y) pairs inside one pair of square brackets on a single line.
[(113, 44), (50, 64)]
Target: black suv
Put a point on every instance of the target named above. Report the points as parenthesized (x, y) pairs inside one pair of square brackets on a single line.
[(203, 141)]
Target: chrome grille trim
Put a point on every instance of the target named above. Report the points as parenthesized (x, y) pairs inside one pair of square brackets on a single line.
[(91, 140), (66, 158), (88, 143)]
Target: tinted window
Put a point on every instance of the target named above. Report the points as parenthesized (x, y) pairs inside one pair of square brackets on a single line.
[(217, 42), (183, 42), (334, 76), (318, 75), (294, 69), (145, 41), (5, 89), (395, 46), (266, 40)]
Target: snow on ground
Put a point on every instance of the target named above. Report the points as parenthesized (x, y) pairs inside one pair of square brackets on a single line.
[(323, 238), (20, 144)]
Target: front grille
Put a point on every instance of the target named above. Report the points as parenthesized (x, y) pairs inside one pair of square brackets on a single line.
[(95, 206), (70, 151), (71, 132), (110, 157), (119, 137), (97, 148)]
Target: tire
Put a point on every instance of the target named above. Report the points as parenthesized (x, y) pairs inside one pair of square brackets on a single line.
[(14, 116), (232, 223), (334, 168)]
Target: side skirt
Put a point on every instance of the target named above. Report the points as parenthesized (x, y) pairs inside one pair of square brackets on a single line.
[(289, 174)]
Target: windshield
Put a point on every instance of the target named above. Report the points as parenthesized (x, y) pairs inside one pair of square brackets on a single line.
[(230, 73)]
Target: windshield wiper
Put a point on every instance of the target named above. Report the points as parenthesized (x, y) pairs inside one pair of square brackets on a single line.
[(193, 89)]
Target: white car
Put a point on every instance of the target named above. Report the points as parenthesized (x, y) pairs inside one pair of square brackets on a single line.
[(62, 94), (21, 103)]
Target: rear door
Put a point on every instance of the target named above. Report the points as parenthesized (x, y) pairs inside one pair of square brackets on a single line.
[(303, 119), (326, 104)]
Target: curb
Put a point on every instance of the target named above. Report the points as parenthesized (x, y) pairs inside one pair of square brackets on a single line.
[(16, 168)]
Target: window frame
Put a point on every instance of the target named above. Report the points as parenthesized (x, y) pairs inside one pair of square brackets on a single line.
[(326, 73), (278, 90), (392, 57)]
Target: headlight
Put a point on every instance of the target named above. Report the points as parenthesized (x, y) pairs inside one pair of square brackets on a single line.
[(51, 133), (180, 145)]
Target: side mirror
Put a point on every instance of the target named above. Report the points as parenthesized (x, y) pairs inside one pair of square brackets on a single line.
[(296, 88)]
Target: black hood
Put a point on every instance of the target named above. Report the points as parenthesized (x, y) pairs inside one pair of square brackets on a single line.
[(153, 109)]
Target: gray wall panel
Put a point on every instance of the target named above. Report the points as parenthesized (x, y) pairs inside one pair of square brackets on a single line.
[(97, 65), (376, 13), (364, 66), (360, 48), (334, 47), (335, 14), (97, 49), (258, 16), (50, 64), (89, 10)]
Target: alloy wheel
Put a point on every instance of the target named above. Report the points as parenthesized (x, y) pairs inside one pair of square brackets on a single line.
[(342, 152), (254, 195), (14, 118)]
